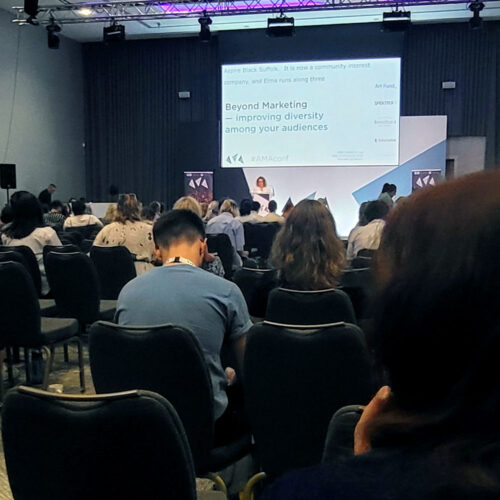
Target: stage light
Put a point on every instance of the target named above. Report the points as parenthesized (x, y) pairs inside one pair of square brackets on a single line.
[(113, 33), (52, 38), (85, 11), (476, 7), (280, 26), (31, 7), (205, 22), (397, 20)]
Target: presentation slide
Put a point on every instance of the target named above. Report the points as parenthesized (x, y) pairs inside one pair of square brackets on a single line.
[(316, 113)]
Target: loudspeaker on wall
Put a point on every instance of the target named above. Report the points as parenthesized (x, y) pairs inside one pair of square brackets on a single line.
[(7, 176)]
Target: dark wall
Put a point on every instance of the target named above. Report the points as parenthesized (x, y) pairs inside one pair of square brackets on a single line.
[(141, 136)]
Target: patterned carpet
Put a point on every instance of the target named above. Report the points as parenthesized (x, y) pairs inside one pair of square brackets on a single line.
[(67, 375)]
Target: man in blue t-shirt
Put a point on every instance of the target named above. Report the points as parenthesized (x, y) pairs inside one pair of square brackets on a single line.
[(182, 293)]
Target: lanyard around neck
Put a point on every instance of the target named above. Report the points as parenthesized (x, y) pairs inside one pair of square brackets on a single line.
[(180, 260)]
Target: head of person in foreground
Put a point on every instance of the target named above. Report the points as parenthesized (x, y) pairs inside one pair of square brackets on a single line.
[(180, 233)]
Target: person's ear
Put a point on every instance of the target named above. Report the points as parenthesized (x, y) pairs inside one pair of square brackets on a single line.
[(377, 406), (158, 252)]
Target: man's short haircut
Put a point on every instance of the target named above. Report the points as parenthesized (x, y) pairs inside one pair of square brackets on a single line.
[(53, 185), (178, 225), (78, 207), (376, 210), (272, 206), (56, 204), (255, 206)]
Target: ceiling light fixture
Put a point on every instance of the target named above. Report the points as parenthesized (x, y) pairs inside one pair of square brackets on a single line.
[(396, 20), (85, 11), (52, 37), (205, 22), (113, 33), (476, 7), (280, 26)]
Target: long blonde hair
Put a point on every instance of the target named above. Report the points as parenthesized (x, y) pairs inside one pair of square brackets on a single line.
[(188, 203), (307, 252)]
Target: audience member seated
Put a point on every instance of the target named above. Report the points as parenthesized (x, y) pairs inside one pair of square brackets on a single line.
[(287, 209), (80, 218), (182, 294), (110, 214), (27, 228), (368, 236), (211, 262), (212, 210), (307, 252), (6, 217), (56, 217), (227, 223), (130, 231), (388, 193), (249, 211), (272, 216), (434, 433)]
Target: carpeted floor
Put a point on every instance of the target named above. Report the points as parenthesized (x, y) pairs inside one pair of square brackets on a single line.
[(67, 375)]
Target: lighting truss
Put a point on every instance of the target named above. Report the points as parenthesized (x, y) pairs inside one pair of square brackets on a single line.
[(134, 10)]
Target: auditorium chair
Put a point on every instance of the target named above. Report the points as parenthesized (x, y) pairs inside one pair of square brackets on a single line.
[(259, 238), (30, 263), (74, 284), (22, 326), (221, 245), (339, 442), (366, 252), (255, 284), (295, 379), (361, 262), (60, 249), (357, 283), (168, 360), (125, 446), (87, 232), (115, 268), (309, 307)]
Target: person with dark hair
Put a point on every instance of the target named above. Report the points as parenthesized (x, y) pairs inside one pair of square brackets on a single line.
[(272, 216), (6, 216), (433, 433), (181, 293), (55, 218), (307, 252), (368, 236), (129, 230), (80, 218), (249, 211), (27, 228), (388, 193), (45, 196)]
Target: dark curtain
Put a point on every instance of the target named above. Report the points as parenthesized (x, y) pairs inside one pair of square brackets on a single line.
[(454, 52), (135, 121), (142, 137)]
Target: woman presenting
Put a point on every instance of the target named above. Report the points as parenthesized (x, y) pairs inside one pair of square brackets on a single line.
[(262, 193)]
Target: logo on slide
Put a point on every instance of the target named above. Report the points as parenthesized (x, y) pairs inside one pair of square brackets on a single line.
[(237, 158)]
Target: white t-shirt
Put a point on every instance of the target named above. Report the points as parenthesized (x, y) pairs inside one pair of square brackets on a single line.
[(39, 238), (82, 220), (365, 237)]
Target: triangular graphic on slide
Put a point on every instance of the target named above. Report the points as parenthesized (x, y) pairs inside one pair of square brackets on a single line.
[(198, 181), (204, 184), (228, 159), (191, 184)]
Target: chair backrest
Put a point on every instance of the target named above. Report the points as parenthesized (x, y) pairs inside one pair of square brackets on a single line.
[(366, 252), (165, 359), (31, 263), (19, 307), (124, 446), (115, 268), (361, 262), (255, 284), (221, 244), (294, 381), (74, 284), (296, 307), (59, 249), (260, 237), (87, 232), (357, 283), (339, 442), (71, 237)]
